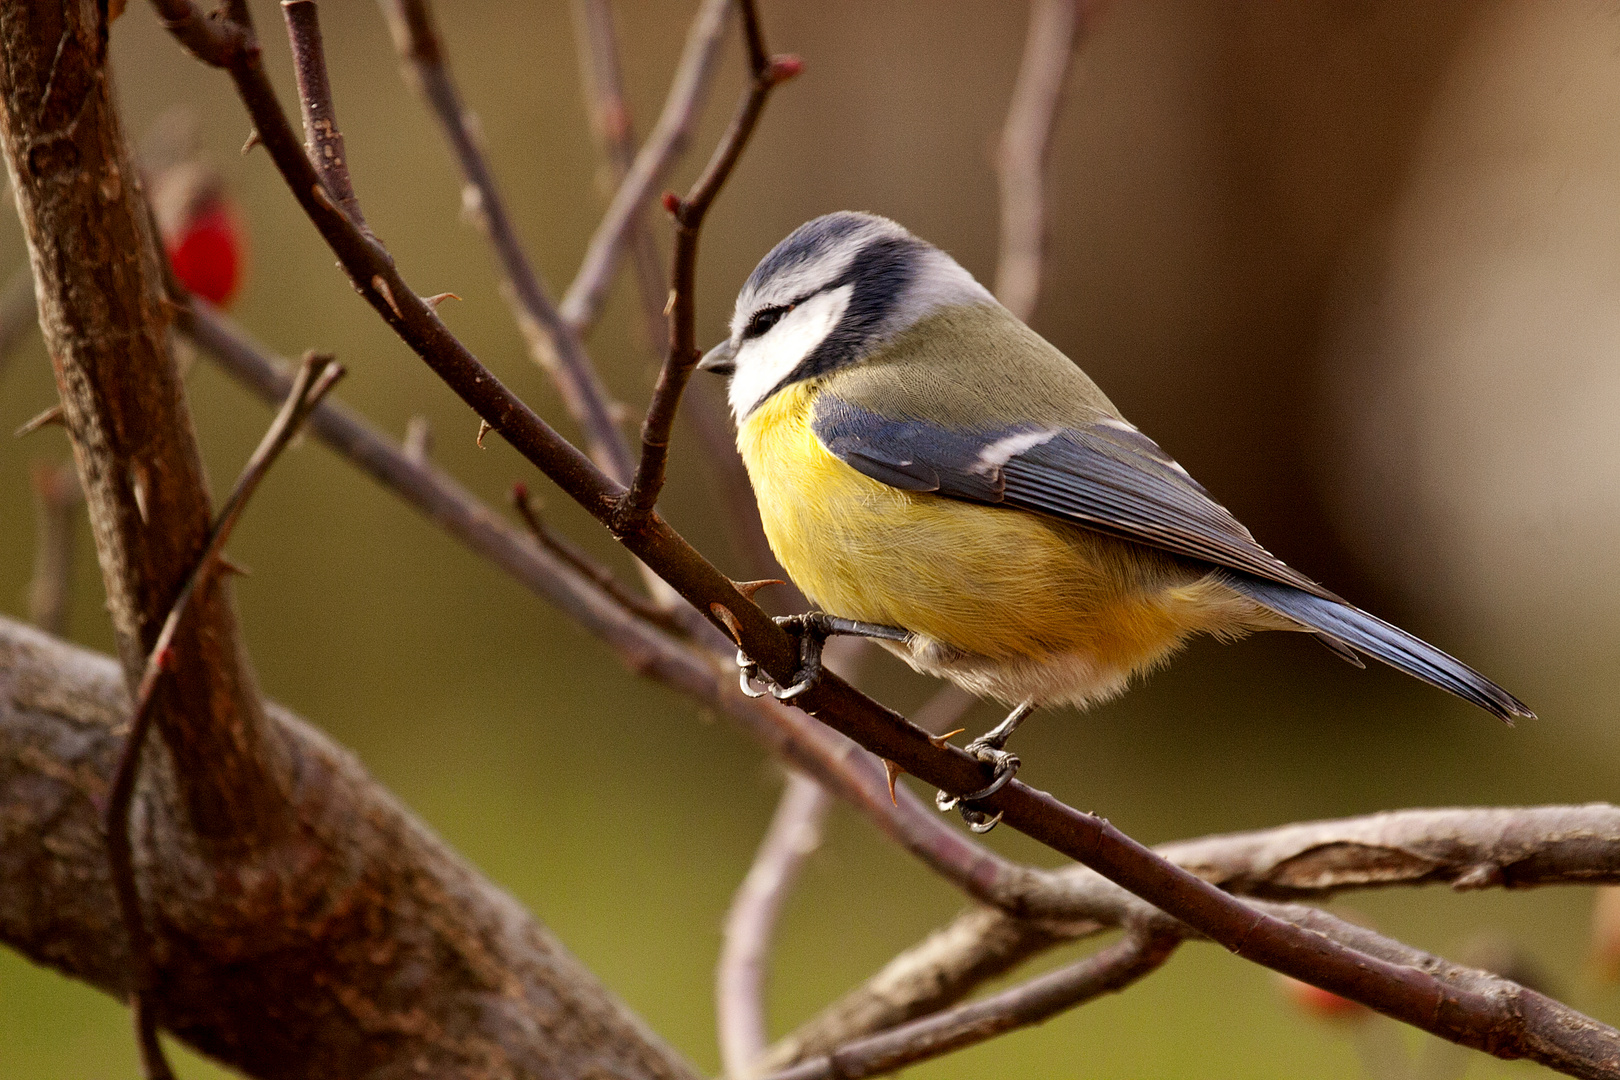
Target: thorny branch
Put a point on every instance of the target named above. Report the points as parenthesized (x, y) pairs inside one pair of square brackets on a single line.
[(767, 73), (1408, 994), (1519, 847), (315, 377)]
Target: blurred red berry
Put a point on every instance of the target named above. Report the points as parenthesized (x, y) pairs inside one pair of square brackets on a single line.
[(208, 253), (1320, 1004)]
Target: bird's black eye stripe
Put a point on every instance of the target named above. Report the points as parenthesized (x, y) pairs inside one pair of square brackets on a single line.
[(764, 319)]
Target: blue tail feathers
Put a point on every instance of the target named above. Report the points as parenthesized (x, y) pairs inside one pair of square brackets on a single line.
[(1353, 627)]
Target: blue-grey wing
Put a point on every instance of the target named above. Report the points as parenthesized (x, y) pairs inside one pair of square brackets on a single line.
[(1105, 476)]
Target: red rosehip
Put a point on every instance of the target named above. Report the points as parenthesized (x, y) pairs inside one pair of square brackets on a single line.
[(209, 252), (1320, 1004)]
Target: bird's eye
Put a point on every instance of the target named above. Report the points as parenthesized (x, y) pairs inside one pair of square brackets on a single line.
[(764, 319)]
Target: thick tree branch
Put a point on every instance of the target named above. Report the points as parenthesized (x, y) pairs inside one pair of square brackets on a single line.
[(372, 951), (668, 141), (1411, 995)]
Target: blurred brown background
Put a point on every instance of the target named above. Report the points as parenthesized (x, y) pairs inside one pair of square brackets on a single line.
[(1356, 264)]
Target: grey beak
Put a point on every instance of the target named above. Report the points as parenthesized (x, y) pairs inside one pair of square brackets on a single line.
[(719, 359)]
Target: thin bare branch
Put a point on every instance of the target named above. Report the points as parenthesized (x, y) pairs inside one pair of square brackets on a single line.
[(57, 498), (688, 92), (323, 139), (315, 377), (767, 73), (1107, 971), (739, 993), (1055, 30), (611, 122)]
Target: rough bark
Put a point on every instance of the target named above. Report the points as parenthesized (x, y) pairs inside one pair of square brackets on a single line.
[(379, 953)]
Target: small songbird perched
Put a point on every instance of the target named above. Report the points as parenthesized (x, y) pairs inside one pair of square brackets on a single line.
[(933, 474)]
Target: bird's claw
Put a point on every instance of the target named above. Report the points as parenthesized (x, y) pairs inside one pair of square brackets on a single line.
[(811, 630), (1005, 764)]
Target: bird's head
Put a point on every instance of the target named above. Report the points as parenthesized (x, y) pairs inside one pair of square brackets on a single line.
[(827, 297)]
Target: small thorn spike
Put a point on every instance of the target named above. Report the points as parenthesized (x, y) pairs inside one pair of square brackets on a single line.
[(749, 588), (484, 428), (893, 772)]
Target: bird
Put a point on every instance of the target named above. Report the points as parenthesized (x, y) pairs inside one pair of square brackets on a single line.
[(936, 476)]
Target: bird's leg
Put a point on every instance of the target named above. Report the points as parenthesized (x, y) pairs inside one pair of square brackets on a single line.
[(812, 630), (988, 748)]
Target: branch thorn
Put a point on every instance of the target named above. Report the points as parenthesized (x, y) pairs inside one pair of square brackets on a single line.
[(728, 620), (484, 428), (942, 741), (52, 415), (252, 141), (231, 567), (436, 299), (749, 588), (894, 771)]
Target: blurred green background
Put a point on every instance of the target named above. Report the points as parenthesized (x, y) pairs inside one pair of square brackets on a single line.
[(1355, 265)]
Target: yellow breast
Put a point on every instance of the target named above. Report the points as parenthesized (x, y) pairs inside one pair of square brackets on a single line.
[(998, 583)]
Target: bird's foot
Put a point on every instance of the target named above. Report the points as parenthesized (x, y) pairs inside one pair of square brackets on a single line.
[(812, 630), (987, 749)]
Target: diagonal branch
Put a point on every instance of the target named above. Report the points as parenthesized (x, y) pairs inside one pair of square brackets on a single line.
[(1410, 995), (1518, 847), (687, 93), (609, 110)]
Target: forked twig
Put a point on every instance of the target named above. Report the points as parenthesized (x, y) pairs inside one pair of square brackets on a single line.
[(571, 553), (315, 377), (767, 73)]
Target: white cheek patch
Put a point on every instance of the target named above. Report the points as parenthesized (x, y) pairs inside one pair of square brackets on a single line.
[(768, 359)]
